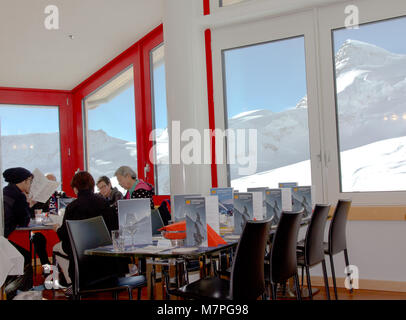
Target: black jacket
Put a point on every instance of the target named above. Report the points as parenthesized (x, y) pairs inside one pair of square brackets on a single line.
[(17, 212), (115, 195), (87, 205)]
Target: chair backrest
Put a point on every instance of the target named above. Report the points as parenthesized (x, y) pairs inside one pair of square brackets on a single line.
[(86, 234), (247, 273), (156, 221), (283, 260), (337, 240), (314, 248)]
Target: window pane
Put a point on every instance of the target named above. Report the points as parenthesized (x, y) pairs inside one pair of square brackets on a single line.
[(30, 138), (111, 131), (161, 149), (370, 73), (225, 3), (266, 90)]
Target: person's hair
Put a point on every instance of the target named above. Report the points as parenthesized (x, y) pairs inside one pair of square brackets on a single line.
[(125, 171), (104, 179), (82, 180)]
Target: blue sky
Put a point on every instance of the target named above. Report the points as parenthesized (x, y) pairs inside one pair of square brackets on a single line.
[(266, 76)]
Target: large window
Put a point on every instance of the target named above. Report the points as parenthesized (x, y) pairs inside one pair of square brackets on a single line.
[(160, 121), (30, 138), (110, 127), (265, 91), (370, 73)]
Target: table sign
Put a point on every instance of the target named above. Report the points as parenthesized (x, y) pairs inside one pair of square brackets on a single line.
[(178, 206), (226, 205), (273, 202), (196, 228), (247, 206), (139, 227), (262, 190), (302, 199)]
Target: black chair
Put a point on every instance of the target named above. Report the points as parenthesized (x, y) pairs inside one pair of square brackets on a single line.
[(311, 249), (282, 259), (92, 233), (247, 275), (337, 240)]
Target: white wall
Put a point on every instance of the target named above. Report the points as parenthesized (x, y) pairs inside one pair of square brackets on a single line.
[(377, 248)]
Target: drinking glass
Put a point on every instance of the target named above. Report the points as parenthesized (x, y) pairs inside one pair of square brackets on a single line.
[(118, 240)]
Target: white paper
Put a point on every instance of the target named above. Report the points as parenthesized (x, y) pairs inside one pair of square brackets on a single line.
[(12, 261), (286, 199), (257, 205), (42, 188), (212, 213)]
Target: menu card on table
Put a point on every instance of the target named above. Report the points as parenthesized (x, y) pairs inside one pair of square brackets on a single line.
[(273, 202), (302, 199), (178, 206), (262, 190), (226, 205), (196, 227), (247, 206), (287, 194), (134, 218)]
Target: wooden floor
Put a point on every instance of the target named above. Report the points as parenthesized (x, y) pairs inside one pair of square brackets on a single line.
[(343, 294)]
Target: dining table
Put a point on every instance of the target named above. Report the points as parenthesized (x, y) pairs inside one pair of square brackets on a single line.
[(32, 227), (155, 253)]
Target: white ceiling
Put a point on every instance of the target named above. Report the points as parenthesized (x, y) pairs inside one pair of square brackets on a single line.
[(33, 57)]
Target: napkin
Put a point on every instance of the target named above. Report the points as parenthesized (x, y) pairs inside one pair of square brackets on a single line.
[(213, 238)]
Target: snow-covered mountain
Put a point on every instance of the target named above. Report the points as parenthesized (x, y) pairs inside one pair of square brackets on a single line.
[(371, 90)]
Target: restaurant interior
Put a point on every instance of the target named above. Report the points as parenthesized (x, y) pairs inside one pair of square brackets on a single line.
[(256, 143)]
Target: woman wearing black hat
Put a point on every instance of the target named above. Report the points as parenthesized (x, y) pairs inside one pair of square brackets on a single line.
[(17, 213)]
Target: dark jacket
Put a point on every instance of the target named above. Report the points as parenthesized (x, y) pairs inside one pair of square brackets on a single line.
[(88, 205), (17, 212), (115, 195)]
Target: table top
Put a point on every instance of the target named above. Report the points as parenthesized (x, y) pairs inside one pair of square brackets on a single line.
[(152, 251), (33, 226)]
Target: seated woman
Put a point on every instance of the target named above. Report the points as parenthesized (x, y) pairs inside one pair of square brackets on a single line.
[(89, 205), (136, 188), (17, 213), (112, 195)]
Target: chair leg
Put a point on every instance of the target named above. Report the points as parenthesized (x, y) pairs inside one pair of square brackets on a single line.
[(130, 293), (115, 295), (274, 288), (297, 287), (309, 284), (302, 276), (323, 263), (347, 263), (333, 275)]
